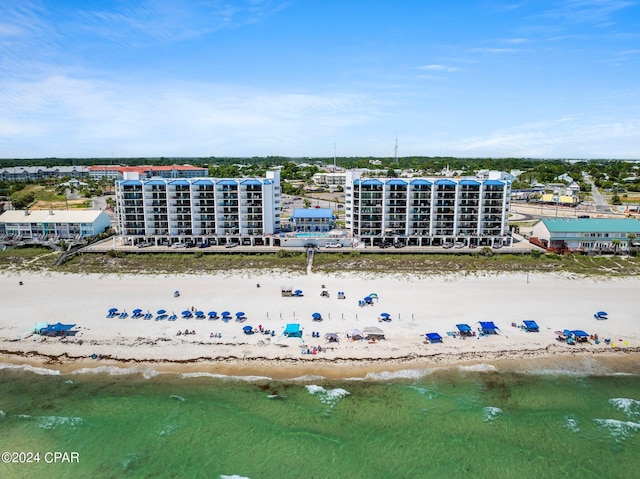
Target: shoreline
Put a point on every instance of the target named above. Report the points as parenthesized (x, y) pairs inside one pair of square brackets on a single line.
[(559, 360), (416, 305)]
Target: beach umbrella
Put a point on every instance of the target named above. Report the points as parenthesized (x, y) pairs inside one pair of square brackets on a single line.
[(601, 313), (385, 315), (567, 333), (247, 328), (316, 316), (212, 314), (186, 312), (161, 311), (113, 310), (199, 313), (298, 291), (373, 295), (239, 314), (226, 313), (559, 333), (137, 311)]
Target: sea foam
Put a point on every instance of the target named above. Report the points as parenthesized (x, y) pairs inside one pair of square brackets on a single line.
[(618, 430), (223, 376), (31, 369), (330, 397), (491, 413), (401, 374), (147, 373), (630, 407), (53, 422)]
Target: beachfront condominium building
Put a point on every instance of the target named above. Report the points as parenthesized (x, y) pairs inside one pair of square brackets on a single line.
[(428, 211), (43, 225), (215, 210)]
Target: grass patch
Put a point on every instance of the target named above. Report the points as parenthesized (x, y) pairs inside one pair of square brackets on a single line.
[(118, 262)]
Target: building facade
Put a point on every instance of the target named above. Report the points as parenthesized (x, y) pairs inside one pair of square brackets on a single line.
[(171, 171), (429, 212), (586, 235), (46, 225), (34, 173), (216, 210), (312, 220)]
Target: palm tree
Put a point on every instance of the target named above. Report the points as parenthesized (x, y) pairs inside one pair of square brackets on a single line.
[(616, 244), (631, 237)]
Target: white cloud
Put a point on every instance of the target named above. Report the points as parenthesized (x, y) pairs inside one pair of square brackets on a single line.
[(438, 68)]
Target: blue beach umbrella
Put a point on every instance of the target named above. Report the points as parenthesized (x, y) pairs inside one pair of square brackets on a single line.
[(186, 312), (137, 311), (239, 314), (385, 315), (161, 311), (226, 313), (316, 315), (247, 328), (212, 314), (567, 333), (113, 310), (601, 313)]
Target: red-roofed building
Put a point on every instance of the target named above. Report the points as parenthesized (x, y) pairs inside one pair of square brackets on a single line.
[(148, 171)]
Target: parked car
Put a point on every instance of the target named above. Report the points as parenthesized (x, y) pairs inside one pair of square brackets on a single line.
[(204, 244), (447, 245), (399, 244), (144, 244), (179, 245), (190, 244), (333, 244), (385, 244), (459, 244), (231, 244)]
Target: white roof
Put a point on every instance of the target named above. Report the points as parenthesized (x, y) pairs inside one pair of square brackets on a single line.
[(46, 216)]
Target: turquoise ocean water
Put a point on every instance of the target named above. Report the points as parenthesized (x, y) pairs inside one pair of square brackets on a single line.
[(475, 422)]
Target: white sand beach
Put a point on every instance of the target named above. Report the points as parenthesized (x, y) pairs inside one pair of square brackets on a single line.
[(416, 306)]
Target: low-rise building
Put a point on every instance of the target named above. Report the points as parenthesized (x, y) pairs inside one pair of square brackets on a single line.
[(53, 224), (587, 234), (312, 220)]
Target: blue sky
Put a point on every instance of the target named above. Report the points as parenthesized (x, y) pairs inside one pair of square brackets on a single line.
[(116, 78)]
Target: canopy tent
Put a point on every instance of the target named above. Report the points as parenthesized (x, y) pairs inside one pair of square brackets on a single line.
[(355, 334), (57, 329), (488, 327), (292, 330), (580, 335), (531, 326), (433, 337), (331, 337), (465, 329), (373, 333)]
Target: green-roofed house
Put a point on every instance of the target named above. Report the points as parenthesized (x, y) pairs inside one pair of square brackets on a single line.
[(588, 234)]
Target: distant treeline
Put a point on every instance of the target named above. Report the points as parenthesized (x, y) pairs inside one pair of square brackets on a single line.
[(435, 163)]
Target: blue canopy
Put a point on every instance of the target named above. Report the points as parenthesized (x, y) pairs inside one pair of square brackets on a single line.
[(240, 314), (226, 313), (488, 327), (297, 291), (316, 315), (567, 333), (56, 328), (385, 315), (213, 314), (186, 311), (579, 333), (463, 328), (434, 337), (293, 330), (160, 311), (531, 326), (602, 313), (113, 310), (137, 311), (247, 328)]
